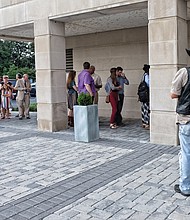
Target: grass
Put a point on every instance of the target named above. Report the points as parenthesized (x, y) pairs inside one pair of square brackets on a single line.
[(33, 108)]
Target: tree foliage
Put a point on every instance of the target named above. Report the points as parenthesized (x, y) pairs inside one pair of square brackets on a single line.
[(17, 57)]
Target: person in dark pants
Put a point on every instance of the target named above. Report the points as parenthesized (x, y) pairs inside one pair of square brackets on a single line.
[(122, 80), (145, 109)]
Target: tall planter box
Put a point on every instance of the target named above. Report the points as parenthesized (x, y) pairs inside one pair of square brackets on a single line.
[(86, 122)]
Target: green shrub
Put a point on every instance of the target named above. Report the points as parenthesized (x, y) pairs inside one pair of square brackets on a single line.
[(33, 107), (84, 99), (15, 109)]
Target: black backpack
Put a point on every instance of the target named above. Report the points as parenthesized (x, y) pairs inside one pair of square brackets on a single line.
[(143, 91)]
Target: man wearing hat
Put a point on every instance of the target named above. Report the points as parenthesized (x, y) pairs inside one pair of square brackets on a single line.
[(180, 90)]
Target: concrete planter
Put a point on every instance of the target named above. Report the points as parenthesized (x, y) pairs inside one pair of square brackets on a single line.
[(86, 123)]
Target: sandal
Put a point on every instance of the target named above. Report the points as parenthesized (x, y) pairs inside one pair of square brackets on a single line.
[(147, 127), (113, 126)]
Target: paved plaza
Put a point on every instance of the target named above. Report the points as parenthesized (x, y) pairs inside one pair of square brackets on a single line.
[(121, 176)]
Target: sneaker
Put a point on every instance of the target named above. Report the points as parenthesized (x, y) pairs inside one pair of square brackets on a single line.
[(27, 117), (20, 118), (177, 190)]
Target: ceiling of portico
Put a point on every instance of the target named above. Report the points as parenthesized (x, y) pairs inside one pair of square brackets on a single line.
[(22, 32), (130, 19), (121, 17)]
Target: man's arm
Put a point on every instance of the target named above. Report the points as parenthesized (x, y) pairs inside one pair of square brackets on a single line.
[(88, 88), (179, 81), (18, 87), (174, 96)]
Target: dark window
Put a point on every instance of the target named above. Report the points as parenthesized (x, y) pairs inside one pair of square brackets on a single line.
[(69, 59)]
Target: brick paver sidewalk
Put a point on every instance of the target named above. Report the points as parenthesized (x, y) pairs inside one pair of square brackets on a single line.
[(121, 176)]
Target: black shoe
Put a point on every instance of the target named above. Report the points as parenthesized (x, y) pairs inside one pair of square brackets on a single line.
[(20, 118), (27, 117), (177, 190), (16, 116)]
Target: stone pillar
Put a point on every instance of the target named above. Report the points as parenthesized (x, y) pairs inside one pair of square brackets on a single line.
[(50, 75), (167, 42)]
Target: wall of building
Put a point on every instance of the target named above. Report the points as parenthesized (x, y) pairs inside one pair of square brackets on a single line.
[(127, 48)]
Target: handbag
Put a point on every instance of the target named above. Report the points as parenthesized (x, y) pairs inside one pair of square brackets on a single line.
[(107, 99)]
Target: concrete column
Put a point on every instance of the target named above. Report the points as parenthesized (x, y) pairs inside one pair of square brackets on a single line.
[(167, 42), (50, 75)]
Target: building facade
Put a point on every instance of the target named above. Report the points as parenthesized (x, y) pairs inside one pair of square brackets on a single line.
[(107, 33)]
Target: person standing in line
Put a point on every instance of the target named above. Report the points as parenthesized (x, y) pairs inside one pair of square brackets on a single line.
[(114, 87), (180, 90), (27, 86), (20, 95), (19, 76), (86, 82), (6, 93), (97, 82), (72, 95), (121, 78), (145, 110), (1, 80)]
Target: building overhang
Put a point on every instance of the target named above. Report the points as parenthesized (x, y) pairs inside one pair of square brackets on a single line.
[(103, 19), (108, 18)]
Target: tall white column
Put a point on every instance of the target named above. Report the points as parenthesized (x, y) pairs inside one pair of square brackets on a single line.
[(167, 42), (50, 75)]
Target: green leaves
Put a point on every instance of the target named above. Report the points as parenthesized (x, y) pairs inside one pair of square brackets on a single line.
[(84, 99), (17, 57)]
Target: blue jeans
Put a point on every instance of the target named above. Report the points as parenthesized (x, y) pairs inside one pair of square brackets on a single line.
[(184, 158)]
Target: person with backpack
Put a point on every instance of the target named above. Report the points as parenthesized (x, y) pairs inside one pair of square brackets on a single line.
[(180, 91), (143, 93)]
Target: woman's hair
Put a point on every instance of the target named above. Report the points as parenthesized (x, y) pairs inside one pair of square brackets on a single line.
[(113, 75), (71, 77)]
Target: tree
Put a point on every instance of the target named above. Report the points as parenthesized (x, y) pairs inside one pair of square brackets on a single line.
[(17, 57)]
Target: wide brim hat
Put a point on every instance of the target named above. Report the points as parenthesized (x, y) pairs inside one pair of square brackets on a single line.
[(188, 51)]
